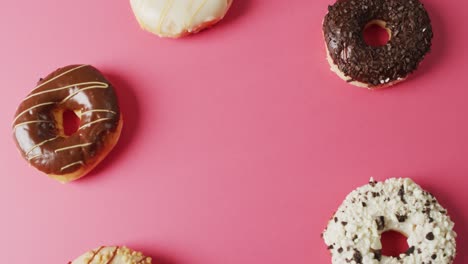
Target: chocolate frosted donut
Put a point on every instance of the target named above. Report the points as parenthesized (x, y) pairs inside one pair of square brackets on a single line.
[(410, 32), (38, 124)]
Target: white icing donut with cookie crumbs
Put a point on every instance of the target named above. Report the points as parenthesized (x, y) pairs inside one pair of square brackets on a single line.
[(177, 18), (112, 255), (354, 232)]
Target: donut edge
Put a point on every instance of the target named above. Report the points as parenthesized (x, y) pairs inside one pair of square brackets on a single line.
[(334, 68), (186, 32), (111, 142), (373, 182), (110, 252)]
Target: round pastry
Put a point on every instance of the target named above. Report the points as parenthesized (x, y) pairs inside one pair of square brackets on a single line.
[(112, 255), (354, 232), (177, 18), (38, 125), (410, 34)]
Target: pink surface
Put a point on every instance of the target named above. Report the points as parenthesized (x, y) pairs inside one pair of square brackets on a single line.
[(239, 143)]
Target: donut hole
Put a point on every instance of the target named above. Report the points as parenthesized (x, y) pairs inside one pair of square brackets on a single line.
[(376, 34), (393, 243), (71, 122)]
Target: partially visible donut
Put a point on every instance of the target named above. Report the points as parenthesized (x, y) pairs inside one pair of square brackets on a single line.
[(177, 18), (353, 233), (410, 33), (112, 255), (38, 124)]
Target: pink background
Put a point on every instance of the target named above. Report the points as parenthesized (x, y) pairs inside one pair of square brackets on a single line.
[(239, 143)]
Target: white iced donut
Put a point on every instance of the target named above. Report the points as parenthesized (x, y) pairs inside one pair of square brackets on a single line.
[(112, 255), (353, 234), (177, 18)]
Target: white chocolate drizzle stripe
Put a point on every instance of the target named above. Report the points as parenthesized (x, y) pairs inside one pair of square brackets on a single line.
[(84, 89), (94, 122), (35, 156), (31, 108), (31, 122), (60, 75), (72, 147), (63, 88), (71, 165), (98, 111), (165, 12), (197, 11), (40, 144)]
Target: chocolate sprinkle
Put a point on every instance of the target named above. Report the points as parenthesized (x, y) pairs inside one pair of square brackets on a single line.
[(357, 256), (411, 35), (410, 251), (380, 223), (401, 218), (430, 236), (401, 193), (377, 254)]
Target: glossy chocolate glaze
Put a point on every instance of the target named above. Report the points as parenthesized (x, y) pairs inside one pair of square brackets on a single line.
[(80, 88), (411, 35)]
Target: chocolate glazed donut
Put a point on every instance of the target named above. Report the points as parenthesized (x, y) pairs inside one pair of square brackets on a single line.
[(38, 124), (410, 32)]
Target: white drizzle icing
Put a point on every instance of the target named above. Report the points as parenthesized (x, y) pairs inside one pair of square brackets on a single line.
[(98, 111), (94, 122), (35, 156), (31, 108), (165, 12), (197, 11), (72, 164), (72, 147), (58, 76), (63, 88), (40, 144), (31, 122), (102, 86)]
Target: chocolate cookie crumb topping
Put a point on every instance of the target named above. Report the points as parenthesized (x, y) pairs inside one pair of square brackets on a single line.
[(359, 240), (430, 236), (410, 39), (401, 218), (380, 221), (357, 256), (401, 193), (410, 251), (377, 254)]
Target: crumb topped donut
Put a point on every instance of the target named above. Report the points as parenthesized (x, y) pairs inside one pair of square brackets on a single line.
[(353, 233), (177, 18), (38, 124), (410, 35), (112, 255)]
